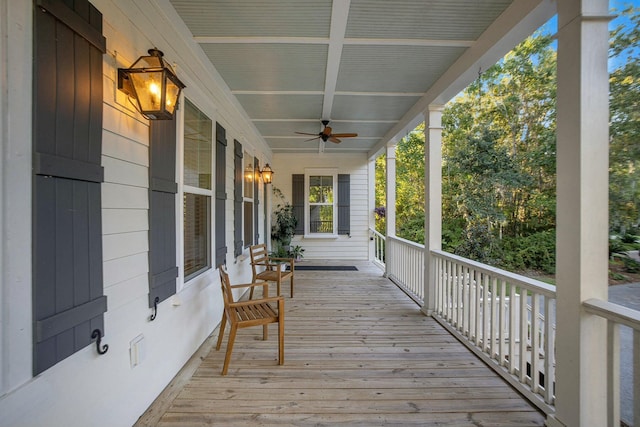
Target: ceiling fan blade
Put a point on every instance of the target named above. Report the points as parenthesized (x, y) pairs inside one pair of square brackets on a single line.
[(326, 131), (304, 133), (345, 135), (332, 138), (317, 137)]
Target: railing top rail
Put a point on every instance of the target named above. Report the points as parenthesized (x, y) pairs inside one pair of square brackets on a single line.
[(526, 282), (615, 312), (376, 233), (406, 242)]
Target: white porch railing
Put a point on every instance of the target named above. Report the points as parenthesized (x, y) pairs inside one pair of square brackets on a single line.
[(617, 316), (502, 317), (378, 248), (405, 266)]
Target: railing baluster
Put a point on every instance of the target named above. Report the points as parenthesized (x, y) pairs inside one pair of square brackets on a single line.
[(549, 352), (636, 377), (486, 313), (535, 341), (524, 334), (512, 328), (501, 322), (613, 373), (478, 295), (494, 317)]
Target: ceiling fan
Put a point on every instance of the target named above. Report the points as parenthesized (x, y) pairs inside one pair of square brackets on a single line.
[(326, 134)]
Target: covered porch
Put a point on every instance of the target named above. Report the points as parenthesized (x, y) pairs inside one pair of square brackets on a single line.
[(358, 351), (349, 336)]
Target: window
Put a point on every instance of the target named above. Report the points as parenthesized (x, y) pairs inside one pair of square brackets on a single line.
[(198, 133), (321, 203), (247, 201), (321, 207)]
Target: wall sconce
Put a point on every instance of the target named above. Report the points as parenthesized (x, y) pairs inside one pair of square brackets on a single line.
[(248, 174), (267, 174), (154, 85)]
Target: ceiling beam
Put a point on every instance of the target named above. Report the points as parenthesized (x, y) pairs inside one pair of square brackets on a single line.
[(339, 18)]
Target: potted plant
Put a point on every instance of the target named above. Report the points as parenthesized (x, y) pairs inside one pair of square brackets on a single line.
[(284, 223), (297, 252)]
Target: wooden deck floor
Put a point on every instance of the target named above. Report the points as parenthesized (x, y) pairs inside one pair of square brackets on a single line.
[(358, 352)]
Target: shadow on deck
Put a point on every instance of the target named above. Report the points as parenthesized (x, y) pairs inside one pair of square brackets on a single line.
[(358, 352)]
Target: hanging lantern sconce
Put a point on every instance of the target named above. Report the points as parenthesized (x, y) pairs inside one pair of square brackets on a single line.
[(267, 174), (153, 84)]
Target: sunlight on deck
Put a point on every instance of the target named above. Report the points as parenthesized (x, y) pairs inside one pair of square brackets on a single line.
[(357, 352)]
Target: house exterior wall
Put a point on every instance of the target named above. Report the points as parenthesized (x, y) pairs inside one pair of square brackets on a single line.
[(86, 388), (352, 247)]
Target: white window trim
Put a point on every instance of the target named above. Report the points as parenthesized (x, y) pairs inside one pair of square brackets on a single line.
[(307, 213), (245, 199), (205, 276)]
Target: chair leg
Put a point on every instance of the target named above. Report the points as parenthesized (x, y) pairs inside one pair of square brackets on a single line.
[(291, 286), (281, 334), (221, 333), (251, 294), (227, 356), (278, 287), (265, 332)]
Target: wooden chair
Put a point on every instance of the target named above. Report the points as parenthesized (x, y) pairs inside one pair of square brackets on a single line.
[(244, 314), (272, 267)]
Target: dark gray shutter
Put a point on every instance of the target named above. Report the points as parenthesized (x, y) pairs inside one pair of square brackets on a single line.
[(162, 210), (256, 202), (237, 199), (344, 204), (67, 289), (221, 195), (297, 201)]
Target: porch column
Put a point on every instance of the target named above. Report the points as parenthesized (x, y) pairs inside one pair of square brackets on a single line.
[(390, 213), (582, 206), (433, 201), (371, 174), (267, 214)]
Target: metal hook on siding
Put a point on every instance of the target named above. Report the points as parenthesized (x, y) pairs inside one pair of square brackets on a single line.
[(97, 333), (155, 309)]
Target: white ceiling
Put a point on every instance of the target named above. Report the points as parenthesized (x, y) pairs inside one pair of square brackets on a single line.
[(369, 66)]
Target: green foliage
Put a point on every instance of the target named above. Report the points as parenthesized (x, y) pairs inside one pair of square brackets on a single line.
[(499, 159), (624, 125), (534, 252), (283, 222), (296, 252)]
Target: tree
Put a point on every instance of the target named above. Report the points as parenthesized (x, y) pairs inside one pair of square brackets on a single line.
[(624, 126)]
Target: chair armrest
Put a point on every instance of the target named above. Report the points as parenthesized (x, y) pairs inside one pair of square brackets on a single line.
[(286, 260), (259, 263), (256, 301), (248, 285)]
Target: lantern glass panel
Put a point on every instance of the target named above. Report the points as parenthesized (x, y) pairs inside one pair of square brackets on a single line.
[(148, 87)]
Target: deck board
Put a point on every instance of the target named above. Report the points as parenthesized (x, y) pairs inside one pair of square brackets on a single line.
[(358, 352)]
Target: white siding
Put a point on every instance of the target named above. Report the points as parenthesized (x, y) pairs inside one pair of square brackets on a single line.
[(85, 388), (355, 247)]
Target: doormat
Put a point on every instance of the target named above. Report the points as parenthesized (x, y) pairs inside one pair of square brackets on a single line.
[(326, 267)]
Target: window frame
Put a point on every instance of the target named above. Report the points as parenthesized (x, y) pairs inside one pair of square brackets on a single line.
[(183, 188), (247, 155), (308, 173)]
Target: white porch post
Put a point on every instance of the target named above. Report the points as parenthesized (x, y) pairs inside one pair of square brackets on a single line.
[(371, 173), (582, 218), (433, 201), (390, 213), (391, 190)]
